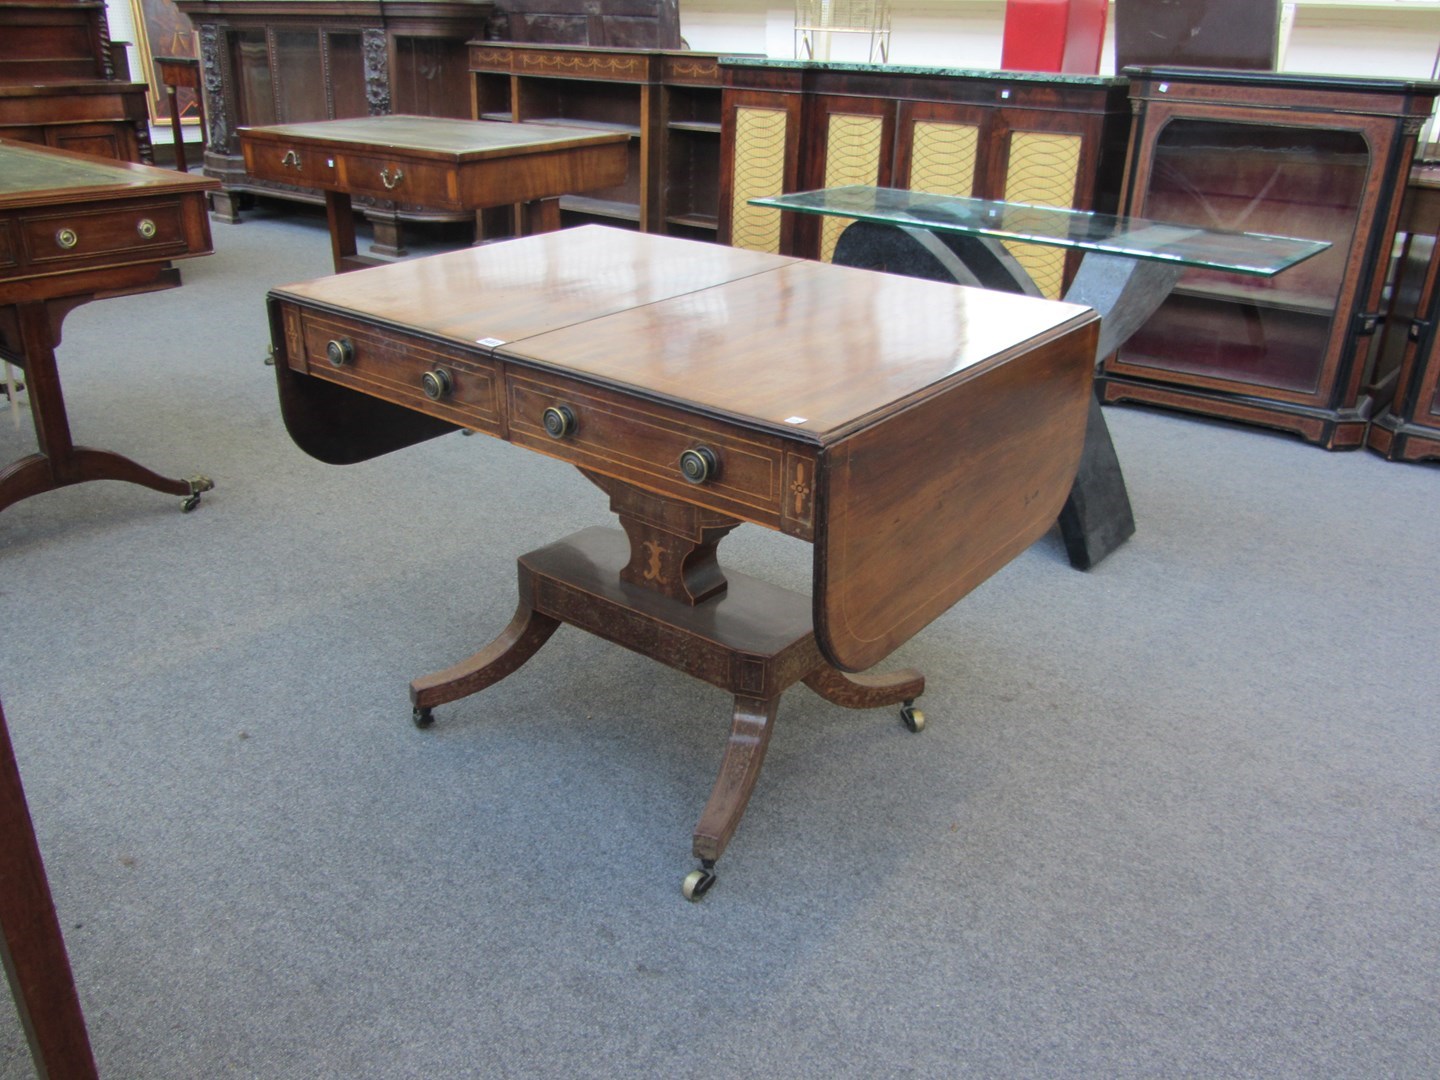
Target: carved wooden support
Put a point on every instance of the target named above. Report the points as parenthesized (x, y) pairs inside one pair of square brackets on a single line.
[(672, 544)]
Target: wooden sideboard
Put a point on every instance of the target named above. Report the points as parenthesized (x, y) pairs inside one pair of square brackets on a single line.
[(290, 61), (64, 84), (1054, 140), (1324, 158), (668, 102)]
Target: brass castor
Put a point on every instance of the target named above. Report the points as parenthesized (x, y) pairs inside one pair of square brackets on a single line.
[(912, 717), (697, 883), (198, 484), (423, 717)]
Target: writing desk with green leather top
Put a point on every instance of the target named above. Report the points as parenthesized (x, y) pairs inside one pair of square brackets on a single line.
[(436, 163), (76, 228), (918, 434)]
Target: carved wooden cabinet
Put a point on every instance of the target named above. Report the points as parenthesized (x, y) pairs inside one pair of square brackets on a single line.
[(1056, 140), (61, 85), (1319, 157), (289, 61), (667, 101), (611, 24)]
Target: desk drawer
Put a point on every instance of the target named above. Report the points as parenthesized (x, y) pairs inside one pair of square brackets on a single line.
[(57, 238), (287, 164), (416, 182), (642, 443), (418, 374)]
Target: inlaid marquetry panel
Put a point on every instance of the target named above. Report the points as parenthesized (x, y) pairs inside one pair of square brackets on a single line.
[(1043, 171), (943, 157), (852, 156), (759, 171)]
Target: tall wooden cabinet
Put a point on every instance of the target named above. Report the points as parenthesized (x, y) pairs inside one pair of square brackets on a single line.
[(1055, 140), (611, 24), (63, 83), (1323, 158), (667, 101), (288, 61)]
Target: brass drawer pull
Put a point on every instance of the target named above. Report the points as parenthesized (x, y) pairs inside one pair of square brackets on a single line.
[(437, 384), (339, 351), (67, 238), (559, 421), (699, 465), (146, 229), (388, 182), (290, 158)]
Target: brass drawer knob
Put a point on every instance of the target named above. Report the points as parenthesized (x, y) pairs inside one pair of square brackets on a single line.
[(67, 238), (699, 465), (339, 351), (146, 229), (559, 421), (437, 384)]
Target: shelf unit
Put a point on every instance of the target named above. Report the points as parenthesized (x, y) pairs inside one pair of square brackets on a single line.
[(1316, 157), (668, 101)]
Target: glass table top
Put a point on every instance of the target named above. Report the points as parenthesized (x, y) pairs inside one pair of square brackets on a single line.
[(1184, 245)]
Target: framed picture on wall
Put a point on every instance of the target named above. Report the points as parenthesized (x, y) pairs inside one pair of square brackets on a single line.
[(161, 30)]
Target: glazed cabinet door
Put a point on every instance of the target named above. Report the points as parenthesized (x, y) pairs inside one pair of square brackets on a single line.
[(1293, 338)]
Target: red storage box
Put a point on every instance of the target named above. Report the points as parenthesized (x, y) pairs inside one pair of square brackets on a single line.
[(1054, 35)]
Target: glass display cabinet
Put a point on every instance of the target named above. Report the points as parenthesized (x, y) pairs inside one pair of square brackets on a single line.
[(1408, 360), (1307, 156)]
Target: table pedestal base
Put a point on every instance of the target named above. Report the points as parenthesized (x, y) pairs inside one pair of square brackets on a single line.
[(751, 638), (59, 462)]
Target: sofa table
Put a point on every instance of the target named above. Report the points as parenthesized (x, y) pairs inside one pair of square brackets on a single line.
[(697, 386)]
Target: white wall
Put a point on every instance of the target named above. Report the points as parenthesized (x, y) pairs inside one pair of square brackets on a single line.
[(1394, 38)]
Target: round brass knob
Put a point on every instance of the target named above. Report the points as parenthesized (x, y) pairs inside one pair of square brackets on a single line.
[(146, 229), (699, 465), (67, 238), (559, 421), (436, 384), (339, 351)]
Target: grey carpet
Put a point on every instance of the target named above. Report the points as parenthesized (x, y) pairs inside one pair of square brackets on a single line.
[(1177, 816)]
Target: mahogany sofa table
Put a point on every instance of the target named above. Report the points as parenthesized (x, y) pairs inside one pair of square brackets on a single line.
[(1127, 269), (436, 163), (75, 228), (919, 435)]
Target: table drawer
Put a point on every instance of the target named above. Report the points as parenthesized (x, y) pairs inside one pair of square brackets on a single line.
[(642, 443), (286, 164), (417, 182), (409, 371), (62, 237)]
